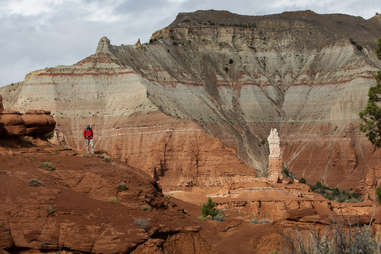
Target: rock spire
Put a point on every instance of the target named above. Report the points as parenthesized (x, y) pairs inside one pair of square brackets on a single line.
[(275, 159), (104, 46)]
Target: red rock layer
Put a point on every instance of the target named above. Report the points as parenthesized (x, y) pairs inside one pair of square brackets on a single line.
[(176, 152), (33, 122), (79, 207)]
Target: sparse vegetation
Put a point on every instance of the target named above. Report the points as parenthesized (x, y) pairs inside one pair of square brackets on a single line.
[(86, 155), (287, 172), (219, 217), (51, 210), (340, 239), (114, 200), (208, 209), (142, 223), (260, 221), (335, 193), (122, 187), (146, 208), (358, 46), (329, 193), (49, 135), (47, 166), (201, 218), (104, 156), (210, 212), (378, 193), (34, 183)]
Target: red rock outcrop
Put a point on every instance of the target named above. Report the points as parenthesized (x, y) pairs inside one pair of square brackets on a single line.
[(86, 205), (11, 123), (38, 122), (32, 123)]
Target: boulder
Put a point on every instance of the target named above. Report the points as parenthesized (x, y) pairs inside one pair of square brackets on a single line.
[(38, 122), (32, 123), (11, 123)]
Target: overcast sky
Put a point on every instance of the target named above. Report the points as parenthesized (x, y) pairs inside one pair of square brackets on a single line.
[(35, 34)]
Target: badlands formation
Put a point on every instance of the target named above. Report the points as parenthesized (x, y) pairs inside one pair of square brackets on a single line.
[(192, 111), (198, 101)]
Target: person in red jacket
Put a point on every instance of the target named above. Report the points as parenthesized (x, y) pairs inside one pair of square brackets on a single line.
[(88, 135)]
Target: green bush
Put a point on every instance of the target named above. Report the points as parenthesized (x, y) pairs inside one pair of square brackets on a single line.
[(201, 218), (378, 192), (208, 209), (49, 135), (47, 165), (122, 187), (219, 217), (335, 194), (34, 183), (302, 180)]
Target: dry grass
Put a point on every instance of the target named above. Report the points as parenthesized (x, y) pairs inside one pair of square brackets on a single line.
[(340, 238)]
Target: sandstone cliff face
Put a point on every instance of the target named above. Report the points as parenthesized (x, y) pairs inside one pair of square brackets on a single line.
[(211, 85)]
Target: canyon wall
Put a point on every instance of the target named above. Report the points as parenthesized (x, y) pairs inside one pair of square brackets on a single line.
[(195, 105)]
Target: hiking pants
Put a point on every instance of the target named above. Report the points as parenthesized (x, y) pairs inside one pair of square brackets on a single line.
[(89, 142)]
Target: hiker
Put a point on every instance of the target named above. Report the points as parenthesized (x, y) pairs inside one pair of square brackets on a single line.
[(88, 135)]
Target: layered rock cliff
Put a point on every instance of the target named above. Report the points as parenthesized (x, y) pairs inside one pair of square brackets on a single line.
[(194, 106)]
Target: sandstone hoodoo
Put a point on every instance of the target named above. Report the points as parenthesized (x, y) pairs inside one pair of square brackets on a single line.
[(199, 100), (275, 159)]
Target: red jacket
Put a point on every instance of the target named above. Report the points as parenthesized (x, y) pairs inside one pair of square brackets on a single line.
[(88, 133)]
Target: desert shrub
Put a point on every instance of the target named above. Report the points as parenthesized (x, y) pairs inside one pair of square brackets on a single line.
[(208, 209), (264, 221), (86, 155), (260, 221), (339, 239), (47, 166), (287, 172), (378, 192), (122, 187), (49, 135), (114, 200), (254, 220), (354, 43), (105, 157), (201, 218), (335, 193), (146, 207), (219, 217), (51, 210), (142, 223), (302, 180), (34, 183)]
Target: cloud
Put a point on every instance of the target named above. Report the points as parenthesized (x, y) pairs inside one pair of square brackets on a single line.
[(35, 34)]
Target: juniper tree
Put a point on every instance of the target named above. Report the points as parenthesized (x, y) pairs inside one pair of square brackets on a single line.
[(371, 115)]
